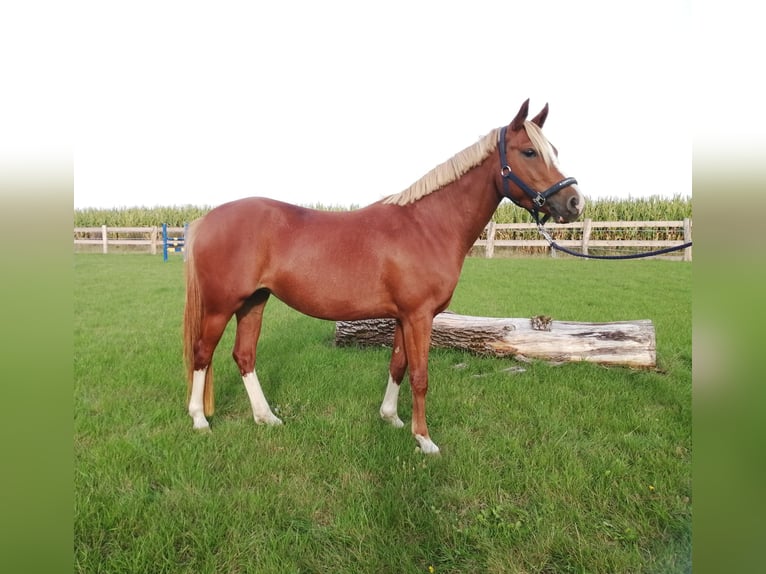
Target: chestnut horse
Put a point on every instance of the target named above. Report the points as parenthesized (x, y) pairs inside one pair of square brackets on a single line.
[(398, 258)]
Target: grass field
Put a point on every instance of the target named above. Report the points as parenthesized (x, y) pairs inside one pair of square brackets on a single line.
[(569, 469)]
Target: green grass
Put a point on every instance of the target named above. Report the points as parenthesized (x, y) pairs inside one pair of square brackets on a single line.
[(576, 468)]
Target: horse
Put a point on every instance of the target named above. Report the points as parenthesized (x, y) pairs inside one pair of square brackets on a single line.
[(397, 258)]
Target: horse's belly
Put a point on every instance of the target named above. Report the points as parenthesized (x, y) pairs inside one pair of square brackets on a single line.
[(335, 305), (337, 297)]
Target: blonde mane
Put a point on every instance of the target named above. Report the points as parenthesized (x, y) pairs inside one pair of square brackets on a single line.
[(455, 167)]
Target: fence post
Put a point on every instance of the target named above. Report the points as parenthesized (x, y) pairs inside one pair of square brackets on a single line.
[(489, 250), (164, 241), (553, 253), (153, 239), (687, 238), (104, 247), (586, 234)]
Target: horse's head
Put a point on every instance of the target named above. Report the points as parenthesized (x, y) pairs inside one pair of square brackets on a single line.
[(530, 175)]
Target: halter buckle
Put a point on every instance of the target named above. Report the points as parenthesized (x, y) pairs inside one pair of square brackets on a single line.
[(539, 201)]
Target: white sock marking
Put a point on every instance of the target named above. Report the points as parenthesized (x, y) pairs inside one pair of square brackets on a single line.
[(261, 410), (389, 408), (196, 408)]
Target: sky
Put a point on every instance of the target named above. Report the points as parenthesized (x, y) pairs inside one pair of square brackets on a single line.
[(343, 103)]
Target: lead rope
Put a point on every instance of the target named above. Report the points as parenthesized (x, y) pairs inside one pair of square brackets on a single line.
[(553, 244)]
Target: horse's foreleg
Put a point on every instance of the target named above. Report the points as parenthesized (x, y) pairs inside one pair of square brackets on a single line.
[(417, 340), (248, 329), (396, 370)]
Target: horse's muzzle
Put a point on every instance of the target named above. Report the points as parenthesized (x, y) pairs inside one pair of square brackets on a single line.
[(568, 210)]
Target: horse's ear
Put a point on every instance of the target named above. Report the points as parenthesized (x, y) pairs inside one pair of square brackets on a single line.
[(521, 117), (539, 119)]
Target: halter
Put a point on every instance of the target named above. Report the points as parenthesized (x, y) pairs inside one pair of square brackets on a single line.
[(538, 199)]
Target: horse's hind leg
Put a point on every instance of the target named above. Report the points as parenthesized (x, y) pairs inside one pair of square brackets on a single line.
[(210, 333), (396, 370), (249, 318)]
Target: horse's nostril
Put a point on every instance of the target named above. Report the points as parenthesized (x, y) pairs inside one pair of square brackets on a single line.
[(574, 204)]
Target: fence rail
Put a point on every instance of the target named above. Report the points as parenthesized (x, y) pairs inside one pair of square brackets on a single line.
[(151, 237), (580, 235)]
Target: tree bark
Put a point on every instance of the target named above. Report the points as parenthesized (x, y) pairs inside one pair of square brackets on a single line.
[(624, 343)]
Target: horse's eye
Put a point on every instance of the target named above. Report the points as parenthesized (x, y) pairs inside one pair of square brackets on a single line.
[(529, 153)]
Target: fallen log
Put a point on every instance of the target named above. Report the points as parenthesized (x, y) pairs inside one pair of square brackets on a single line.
[(624, 343)]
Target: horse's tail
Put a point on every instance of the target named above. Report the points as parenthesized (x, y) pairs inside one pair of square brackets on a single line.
[(193, 324)]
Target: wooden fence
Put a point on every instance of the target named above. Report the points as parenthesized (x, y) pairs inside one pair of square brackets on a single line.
[(582, 235), (148, 237), (495, 235)]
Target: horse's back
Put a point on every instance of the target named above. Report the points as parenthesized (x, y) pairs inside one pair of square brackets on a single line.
[(223, 224), (257, 223)]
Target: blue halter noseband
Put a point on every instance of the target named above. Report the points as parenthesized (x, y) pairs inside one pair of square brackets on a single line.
[(538, 199)]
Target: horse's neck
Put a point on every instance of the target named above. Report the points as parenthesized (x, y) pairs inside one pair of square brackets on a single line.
[(464, 207)]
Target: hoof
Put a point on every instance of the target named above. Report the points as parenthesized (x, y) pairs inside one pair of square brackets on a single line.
[(270, 419), (393, 420), (426, 445), (200, 423)]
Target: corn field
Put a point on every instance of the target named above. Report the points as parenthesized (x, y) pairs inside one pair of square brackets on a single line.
[(175, 216), (653, 208)]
